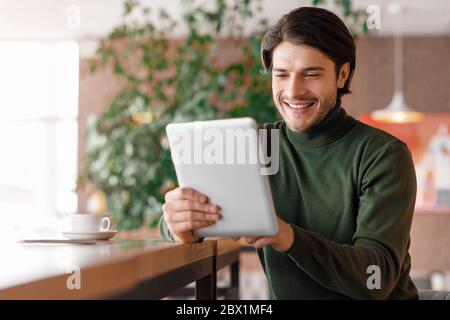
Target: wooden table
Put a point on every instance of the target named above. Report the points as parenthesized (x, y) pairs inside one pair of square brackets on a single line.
[(116, 269), (226, 253), (107, 269)]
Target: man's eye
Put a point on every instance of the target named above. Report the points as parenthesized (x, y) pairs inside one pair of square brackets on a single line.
[(311, 75), (280, 75)]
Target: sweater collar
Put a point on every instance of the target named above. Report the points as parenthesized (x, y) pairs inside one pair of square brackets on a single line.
[(335, 124)]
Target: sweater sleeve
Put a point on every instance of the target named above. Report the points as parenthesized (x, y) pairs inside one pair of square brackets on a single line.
[(381, 239), (164, 232)]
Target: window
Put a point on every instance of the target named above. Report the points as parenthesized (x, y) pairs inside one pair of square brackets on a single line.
[(38, 132)]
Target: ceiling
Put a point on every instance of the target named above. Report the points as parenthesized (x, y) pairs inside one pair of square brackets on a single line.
[(48, 20)]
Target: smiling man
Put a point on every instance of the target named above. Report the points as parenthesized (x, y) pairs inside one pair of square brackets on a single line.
[(304, 83), (344, 193)]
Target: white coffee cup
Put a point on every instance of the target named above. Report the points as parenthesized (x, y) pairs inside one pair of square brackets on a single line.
[(89, 222)]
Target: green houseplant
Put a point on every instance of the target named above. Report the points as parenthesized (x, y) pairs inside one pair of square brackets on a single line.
[(169, 79)]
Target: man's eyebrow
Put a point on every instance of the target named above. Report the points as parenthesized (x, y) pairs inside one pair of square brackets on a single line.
[(313, 68)]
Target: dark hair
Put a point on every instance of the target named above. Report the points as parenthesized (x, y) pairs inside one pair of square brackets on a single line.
[(315, 27)]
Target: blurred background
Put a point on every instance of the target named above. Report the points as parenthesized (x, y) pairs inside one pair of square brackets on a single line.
[(87, 87)]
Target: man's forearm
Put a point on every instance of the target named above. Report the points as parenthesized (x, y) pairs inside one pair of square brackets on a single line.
[(344, 267)]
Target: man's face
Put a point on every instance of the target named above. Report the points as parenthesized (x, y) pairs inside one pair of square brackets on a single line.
[(304, 84)]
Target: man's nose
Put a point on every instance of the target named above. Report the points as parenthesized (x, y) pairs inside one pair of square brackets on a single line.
[(296, 87)]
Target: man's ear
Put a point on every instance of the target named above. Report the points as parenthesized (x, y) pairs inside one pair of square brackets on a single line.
[(343, 75)]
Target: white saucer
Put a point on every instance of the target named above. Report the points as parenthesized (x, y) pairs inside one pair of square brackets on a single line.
[(96, 235)]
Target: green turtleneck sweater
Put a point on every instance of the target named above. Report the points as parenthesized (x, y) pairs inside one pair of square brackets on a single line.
[(348, 190)]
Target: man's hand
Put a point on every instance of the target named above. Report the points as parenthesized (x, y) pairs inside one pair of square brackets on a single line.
[(281, 242), (186, 210)]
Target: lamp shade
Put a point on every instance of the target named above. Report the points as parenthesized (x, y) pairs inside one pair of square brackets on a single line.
[(397, 112)]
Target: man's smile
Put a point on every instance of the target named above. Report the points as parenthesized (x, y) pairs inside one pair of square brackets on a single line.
[(299, 107)]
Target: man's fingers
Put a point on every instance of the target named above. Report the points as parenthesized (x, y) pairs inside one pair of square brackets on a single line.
[(190, 215), (186, 193), (189, 226), (251, 240), (263, 241), (190, 205), (259, 242)]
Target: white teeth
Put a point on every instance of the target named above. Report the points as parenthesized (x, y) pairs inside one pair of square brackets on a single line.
[(300, 106)]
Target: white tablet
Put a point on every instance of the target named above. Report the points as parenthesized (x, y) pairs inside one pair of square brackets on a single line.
[(222, 159)]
